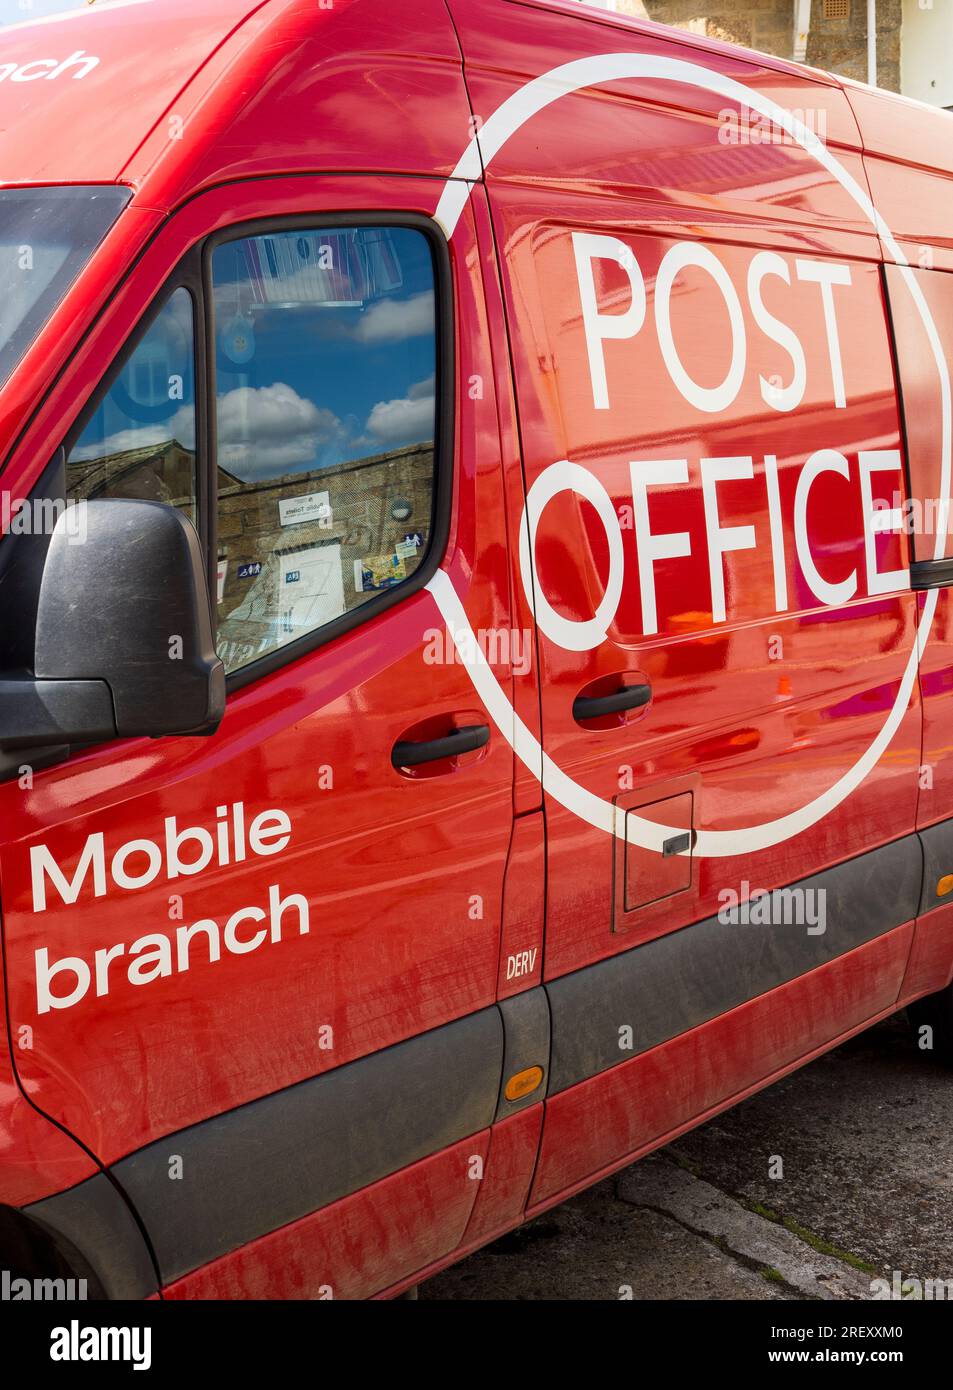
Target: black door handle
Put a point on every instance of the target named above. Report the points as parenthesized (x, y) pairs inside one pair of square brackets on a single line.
[(465, 740), (628, 697)]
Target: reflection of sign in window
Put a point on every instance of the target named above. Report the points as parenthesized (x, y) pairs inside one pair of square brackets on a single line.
[(317, 590), (251, 571), (300, 592), (313, 506)]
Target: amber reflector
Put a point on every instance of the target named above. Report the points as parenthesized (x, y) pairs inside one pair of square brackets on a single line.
[(944, 886), (526, 1081)]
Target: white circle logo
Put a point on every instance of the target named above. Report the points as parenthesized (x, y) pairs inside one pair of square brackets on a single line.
[(525, 103), (569, 633)]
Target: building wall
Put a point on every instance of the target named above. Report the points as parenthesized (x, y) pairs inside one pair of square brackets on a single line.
[(836, 45), (360, 497), (926, 61), (840, 45), (767, 25)]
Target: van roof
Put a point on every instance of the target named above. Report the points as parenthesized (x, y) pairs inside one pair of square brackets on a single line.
[(81, 90), (79, 103)]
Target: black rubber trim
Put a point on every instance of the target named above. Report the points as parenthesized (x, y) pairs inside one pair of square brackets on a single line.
[(251, 1170), (692, 975), (526, 1044), (95, 1221), (931, 574), (937, 841)]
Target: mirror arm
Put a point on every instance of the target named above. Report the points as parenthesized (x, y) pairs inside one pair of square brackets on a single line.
[(35, 713)]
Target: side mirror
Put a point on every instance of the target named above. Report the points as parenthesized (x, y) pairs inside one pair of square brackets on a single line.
[(123, 644)]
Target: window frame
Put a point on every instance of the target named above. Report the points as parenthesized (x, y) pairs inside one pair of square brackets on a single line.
[(194, 273), (445, 404)]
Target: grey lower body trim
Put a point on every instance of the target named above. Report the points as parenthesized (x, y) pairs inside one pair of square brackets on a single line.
[(270, 1162), (937, 841), (692, 975), (94, 1221), (526, 1044)]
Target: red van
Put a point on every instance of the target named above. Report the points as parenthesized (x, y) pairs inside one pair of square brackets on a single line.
[(477, 658)]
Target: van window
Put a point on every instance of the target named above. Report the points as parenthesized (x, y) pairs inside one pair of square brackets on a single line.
[(46, 237), (140, 443), (325, 361)]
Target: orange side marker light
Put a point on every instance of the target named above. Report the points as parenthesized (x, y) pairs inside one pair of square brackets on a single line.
[(522, 1083)]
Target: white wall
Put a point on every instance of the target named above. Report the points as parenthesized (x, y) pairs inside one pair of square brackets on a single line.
[(926, 51)]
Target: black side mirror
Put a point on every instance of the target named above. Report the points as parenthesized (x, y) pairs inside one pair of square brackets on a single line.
[(123, 643)]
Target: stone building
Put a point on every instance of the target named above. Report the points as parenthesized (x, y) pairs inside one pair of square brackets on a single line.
[(914, 37)]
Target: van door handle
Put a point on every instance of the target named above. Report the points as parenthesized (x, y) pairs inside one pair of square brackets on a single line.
[(466, 740), (627, 697)]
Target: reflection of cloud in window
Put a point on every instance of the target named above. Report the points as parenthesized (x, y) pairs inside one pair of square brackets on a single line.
[(407, 420), (267, 430), (181, 427), (392, 320)]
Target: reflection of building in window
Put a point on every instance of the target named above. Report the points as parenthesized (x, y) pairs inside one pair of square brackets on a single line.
[(348, 533), (293, 551), (152, 473)]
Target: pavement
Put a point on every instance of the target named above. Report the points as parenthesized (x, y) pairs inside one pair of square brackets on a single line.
[(835, 1177)]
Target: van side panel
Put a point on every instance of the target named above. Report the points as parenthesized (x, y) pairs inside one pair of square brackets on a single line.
[(705, 433), (36, 1158), (763, 695), (391, 892), (642, 1103), (692, 144)]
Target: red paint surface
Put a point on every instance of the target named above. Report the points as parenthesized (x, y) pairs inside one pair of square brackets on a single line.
[(502, 1196), (287, 108), (597, 1123), (762, 735), (521, 945), (930, 966), (36, 1158)]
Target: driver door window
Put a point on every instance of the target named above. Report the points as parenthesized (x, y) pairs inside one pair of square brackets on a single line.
[(325, 367)]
